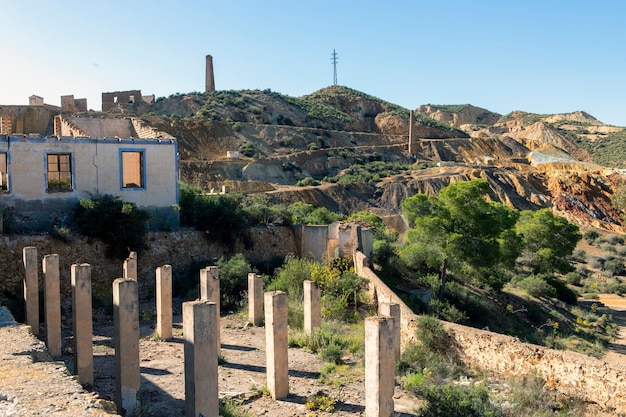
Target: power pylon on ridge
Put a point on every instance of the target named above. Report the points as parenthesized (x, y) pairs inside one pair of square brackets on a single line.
[(334, 59)]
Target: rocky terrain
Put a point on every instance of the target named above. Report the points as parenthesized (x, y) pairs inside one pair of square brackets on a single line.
[(530, 160)]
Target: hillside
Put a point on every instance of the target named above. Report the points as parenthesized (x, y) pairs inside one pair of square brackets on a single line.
[(564, 161)]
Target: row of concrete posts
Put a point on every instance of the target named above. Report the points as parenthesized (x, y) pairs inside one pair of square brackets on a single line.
[(201, 332)]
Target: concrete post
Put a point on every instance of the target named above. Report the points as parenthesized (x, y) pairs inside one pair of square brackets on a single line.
[(130, 266), (31, 288), (164, 301), (52, 304), (255, 299), (201, 355), (126, 339), (277, 363), (312, 307), (379, 366), (392, 310), (82, 323), (210, 291)]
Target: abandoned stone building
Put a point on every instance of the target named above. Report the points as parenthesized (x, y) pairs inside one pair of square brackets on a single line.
[(111, 99), (42, 178)]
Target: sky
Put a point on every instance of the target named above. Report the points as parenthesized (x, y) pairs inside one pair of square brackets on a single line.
[(547, 56)]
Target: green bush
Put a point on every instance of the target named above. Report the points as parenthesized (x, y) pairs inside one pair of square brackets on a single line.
[(331, 353), (308, 181), (233, 275), (614, 267), (591, 235), (536, 286), (432, 335), (446, 311), (574, 278), (121, 225), (451, 400), (247, 149), (220, 216), (290, 277), (303, 213)]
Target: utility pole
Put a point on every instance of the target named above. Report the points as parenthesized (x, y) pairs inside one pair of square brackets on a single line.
[(334, 58)]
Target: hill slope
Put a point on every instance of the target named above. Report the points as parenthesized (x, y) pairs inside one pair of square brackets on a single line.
[(531, 160)]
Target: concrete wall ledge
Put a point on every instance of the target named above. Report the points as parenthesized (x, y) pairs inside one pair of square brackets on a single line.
[(570, 373)]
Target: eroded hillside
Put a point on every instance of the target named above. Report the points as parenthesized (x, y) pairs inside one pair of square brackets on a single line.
[(262, 141)]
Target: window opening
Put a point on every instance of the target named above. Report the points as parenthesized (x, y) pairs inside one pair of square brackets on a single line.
[(132, 169), (59, 172), (4, 172)]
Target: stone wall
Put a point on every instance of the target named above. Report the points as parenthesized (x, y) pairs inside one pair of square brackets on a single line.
[(179, 249), (571, 373)]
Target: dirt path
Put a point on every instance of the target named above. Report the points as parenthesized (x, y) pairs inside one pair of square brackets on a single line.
[(617, 308), (241, 376)]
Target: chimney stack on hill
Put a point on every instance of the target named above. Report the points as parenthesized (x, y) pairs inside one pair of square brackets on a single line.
[(210, 80)]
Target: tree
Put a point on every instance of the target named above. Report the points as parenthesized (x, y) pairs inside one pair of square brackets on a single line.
[(548, 240), (460, 231)]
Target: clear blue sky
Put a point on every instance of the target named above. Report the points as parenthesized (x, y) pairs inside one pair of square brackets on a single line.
[(548, 56)]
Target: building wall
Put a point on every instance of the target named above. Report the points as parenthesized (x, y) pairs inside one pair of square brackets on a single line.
[(29, 119), (109, 100), (95, 170)]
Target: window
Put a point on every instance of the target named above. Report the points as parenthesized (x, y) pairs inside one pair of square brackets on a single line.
[(4, 177), (133, 169), (59, 171)]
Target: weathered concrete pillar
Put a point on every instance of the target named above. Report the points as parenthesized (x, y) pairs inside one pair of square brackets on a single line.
[(164, 301), (126, 339), (201, 355), (82, 322), (312, 307), (210, 291), (277, 363), (393, 310), (31, 288), (52, 303), (130, 266), (255, 299), (379, 366)]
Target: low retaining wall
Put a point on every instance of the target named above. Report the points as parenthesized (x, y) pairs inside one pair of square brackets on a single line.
[(178, 249), (570, 373)]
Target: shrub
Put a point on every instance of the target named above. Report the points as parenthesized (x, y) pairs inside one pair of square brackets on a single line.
[(247, 149), (450, 400), (233, 274), (579, 255), (302, 213), (121, 225), (432, 335), (596, 262), (308, 181), (614, 240), (591, 235), (331, 353), (446, 311), (614, 267), (220, 216), (536, 286), (291, 276), (573, 278)]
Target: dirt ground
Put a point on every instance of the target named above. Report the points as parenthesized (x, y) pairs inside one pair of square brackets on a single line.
[(241, 376)]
